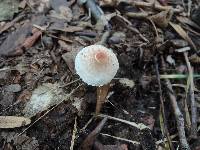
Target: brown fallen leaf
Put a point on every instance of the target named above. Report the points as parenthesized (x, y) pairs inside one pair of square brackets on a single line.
[(8, 47), (102, 92), (13, 121), (186, 20), (195, 59), (163, 18), (69, 58), (183, 34)]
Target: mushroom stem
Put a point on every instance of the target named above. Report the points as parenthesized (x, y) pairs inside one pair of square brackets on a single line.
[(102, 92)]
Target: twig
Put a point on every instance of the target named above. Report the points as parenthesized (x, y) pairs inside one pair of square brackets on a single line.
[(10, 24), (189, 7), (154, 6), (74, 134), (192, 99), (178, 115), (86, 125), (162, 105), (122, 139), (138, 32), (140, 15), (89, 141), (140, 126)]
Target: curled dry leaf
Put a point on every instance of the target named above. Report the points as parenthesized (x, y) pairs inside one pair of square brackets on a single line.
[(163, 18), (13, 121), (195, 59)]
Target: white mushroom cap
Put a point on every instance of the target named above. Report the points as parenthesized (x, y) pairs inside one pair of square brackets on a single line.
[(96, 65)]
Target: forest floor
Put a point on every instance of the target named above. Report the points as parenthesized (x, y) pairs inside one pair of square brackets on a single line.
[(152, 103)]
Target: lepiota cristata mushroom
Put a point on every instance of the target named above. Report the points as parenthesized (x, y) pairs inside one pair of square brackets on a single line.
[(96, 65)]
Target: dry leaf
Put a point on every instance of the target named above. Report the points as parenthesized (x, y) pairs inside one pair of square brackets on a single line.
[(13, 121), (195, 59), (183, 34), (162, 19), (69, 58), (44, 97), (102, 92), (186, 20)]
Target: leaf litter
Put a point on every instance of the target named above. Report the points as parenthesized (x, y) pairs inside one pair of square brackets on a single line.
[(38, 45)]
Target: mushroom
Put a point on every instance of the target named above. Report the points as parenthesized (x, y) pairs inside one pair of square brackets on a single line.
[(97, 65)]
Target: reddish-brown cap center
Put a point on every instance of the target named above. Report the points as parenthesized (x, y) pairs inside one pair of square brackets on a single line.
[(101, 57)]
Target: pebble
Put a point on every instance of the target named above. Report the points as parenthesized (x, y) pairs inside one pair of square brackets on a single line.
[(117, 38), (179, 43), (48, 42)]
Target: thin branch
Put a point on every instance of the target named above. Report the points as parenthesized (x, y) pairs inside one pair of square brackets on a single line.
[(162, 105), (178, 114), (192, 99)]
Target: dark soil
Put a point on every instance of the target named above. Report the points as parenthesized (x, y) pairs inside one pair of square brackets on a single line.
[(43, 62)]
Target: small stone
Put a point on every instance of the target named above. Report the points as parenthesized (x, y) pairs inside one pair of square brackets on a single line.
[(48, 42), (178, 43), (170, 60), (13, 88), (117, 38)]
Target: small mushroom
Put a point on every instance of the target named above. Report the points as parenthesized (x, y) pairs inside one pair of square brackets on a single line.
[(97, 65)]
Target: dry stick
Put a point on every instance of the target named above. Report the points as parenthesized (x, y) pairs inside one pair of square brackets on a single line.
[(10, 24), (162, 105), (154, 6), (178, 115), (74, 135), (193, 130)]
